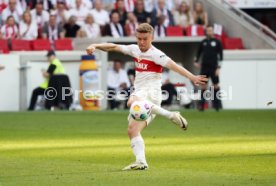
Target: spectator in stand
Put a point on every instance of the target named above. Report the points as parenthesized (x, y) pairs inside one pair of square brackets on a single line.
[(61, 12), (108, 5), (162, 10), (120, 8), (173, 5), (115, 29), (200, 15), (131, 24), (3, 5), (168, 4), (168, 88), (52, 30), (149, 5), (90, 29), (27, 27), (87, 4), (131, 77), (140, 13), (72, 30), (12, 10), (160, 28), (129, 5), (100, 15), (9, 30), (23, 4), (117, 81), (79, 12), (183, 16), (46, 4), (40, 17), (72, 4)]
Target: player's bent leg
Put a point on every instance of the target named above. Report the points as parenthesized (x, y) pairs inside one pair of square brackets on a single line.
[(137, 145), (175, 117)]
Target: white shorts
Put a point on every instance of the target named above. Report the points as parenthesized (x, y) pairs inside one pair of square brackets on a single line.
[(148, 94)]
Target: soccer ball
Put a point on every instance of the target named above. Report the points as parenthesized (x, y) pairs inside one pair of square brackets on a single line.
[(140, 110)]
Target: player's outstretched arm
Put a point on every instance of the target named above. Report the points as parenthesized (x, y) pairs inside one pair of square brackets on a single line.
[(197, 80), (107, 47)]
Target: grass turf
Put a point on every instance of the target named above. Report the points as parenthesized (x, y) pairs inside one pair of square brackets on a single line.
[(90, 148)]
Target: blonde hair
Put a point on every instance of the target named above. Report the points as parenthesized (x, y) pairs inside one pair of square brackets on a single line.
[(145, 28)]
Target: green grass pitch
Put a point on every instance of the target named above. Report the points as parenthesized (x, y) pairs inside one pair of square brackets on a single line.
[(90, 148)]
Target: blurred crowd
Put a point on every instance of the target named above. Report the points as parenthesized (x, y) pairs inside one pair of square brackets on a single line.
[(57, 19)]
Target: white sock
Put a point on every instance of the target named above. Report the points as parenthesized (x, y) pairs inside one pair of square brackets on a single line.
[(138, 147), (160, 111)]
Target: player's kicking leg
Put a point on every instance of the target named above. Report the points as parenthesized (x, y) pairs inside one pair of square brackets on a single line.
[(175, 117)]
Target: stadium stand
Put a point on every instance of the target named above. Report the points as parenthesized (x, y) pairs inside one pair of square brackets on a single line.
[(235, 24), (238, 24), (232, 43), (21, 45), (63, 44), (195, 30), (41, 44), (174, 31), (4, 48)]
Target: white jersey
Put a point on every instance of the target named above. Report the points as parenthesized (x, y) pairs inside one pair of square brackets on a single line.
[(148, 66)]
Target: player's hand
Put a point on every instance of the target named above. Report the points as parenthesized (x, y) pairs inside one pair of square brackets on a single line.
[(197, 65), (199, 80), (90, 50)]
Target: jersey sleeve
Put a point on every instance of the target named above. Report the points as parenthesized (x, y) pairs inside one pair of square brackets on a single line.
[(128, 49), (161, 58)]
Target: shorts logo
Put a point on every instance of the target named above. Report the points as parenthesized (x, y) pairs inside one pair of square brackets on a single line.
[(162, 56)]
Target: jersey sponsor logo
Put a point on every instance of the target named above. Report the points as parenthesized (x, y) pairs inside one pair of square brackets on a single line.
[(143, 65)]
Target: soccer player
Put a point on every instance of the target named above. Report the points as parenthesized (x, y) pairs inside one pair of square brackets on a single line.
[(148, 62)]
